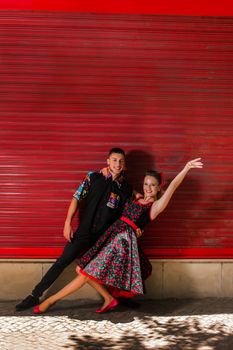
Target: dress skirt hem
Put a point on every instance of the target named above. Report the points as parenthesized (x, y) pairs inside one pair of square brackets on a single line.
[(115, 292)]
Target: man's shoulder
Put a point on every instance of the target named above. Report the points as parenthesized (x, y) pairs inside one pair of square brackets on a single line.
[(94, 175), (126, 182), (127, 186)]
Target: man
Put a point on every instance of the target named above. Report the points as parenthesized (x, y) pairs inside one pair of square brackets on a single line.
[(104, 200)]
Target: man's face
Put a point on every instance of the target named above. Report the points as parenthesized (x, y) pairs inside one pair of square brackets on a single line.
[(116, 163)]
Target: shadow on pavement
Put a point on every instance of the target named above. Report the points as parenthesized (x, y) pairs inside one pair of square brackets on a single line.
[(85, 309), (204, 324), (170, 335)]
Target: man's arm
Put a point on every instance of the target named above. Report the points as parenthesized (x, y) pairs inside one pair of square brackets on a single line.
[(68, 231), (78, 196)]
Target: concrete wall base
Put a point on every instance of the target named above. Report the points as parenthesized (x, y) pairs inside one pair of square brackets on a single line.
[(170, 279)]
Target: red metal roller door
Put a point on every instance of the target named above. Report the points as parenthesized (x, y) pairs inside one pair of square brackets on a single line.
[(74, 85)]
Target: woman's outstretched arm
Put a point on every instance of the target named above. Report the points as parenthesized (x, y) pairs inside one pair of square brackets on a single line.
[(159, 205)]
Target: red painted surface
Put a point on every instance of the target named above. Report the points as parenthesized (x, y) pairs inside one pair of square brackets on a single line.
[(74, 85), (171, 253), (171, 7)]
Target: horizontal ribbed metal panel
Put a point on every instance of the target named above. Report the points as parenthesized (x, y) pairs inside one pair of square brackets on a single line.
[(74, 85), (168, 7)]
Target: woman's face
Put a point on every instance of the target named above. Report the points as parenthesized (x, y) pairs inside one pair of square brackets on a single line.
[(150, 186)]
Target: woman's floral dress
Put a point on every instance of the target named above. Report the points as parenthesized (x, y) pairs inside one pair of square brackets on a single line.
[(116, 260)]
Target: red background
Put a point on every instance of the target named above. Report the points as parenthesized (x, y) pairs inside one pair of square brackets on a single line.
[(74, 85), (172, 7)]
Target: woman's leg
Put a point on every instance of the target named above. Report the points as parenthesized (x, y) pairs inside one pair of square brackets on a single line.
[(77, 283), (102, 291), (99, 288)]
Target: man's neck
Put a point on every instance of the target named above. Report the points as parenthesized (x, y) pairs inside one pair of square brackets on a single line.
[(115, 176)]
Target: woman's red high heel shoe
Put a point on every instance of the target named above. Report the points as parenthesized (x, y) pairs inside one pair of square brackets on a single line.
[(110, 306), (36, 310)]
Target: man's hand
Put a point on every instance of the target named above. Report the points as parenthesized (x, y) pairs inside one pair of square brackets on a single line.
[(105, 171), (138, 195), (68, 232), (139, 232)]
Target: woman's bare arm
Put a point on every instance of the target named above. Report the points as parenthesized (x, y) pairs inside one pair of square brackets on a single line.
[(159, 205)]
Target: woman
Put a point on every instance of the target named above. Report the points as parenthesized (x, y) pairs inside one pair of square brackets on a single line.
[(115, 266)]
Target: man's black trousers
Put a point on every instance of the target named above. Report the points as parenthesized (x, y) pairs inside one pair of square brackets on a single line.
[(71, 251)]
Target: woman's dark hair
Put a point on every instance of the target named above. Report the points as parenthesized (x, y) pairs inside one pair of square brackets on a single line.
[(116, 150), (155, 174)]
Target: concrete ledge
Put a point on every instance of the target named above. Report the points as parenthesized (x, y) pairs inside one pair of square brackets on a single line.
[(170, 279)]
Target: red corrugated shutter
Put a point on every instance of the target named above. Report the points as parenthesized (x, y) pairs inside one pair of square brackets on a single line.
[(74, 85)]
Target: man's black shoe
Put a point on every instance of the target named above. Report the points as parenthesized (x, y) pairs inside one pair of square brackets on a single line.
[(28, 302), (131, 304)]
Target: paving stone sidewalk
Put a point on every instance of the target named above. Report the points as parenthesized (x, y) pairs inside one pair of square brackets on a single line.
[(205, 324)]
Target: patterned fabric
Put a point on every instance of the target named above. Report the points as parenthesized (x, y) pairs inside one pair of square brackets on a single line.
[(84, 187), (115, 259), (118, 180)]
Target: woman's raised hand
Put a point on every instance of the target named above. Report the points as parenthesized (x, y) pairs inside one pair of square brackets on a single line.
[(195, 163), (159, 205)]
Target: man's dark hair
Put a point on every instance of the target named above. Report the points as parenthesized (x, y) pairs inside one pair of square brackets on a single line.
[(116, 150)]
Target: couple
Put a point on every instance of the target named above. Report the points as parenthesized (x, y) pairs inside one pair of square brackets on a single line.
[(113, 265)]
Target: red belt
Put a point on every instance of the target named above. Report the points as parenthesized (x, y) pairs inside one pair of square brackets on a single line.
[(129, 222)]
